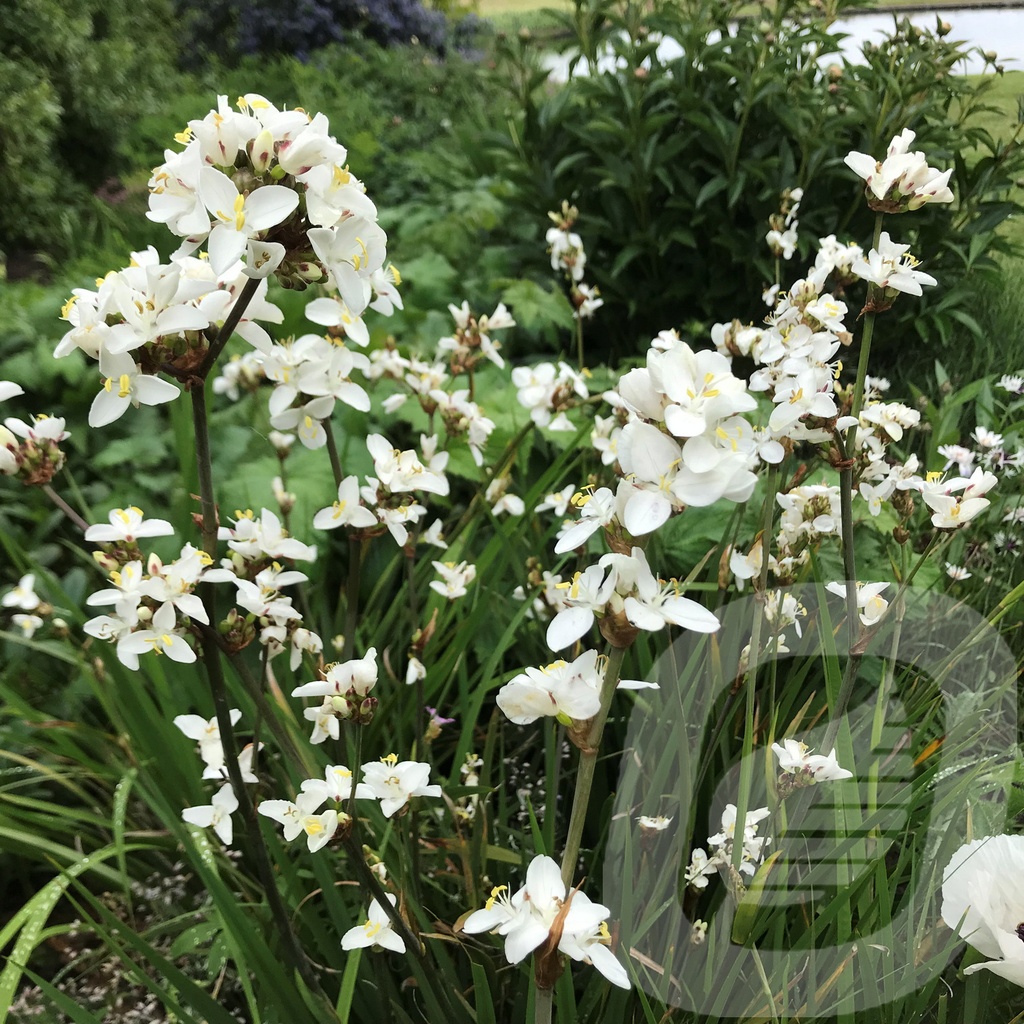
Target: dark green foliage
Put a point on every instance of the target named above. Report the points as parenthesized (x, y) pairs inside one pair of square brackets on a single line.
[(73, 79), (676, 164)]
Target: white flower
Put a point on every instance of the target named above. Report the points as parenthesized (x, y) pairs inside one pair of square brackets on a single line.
[(869, 602), (795, 758), (983, 898), (585, 937), (239, 219), (346, 511), (891, 267), (525, 920), (957, 572), (350, 678), (597, 510), (216, 814), (655, 823), (23, 596), (161, 639), (376, 931), (336, 785), (125, 384), (903, 178), (207, 734), (302, 817), (568, 692), (351, 252), (128, 524), (28, 624), (454, 579), (402, 471), (393, 782), (253, 536)]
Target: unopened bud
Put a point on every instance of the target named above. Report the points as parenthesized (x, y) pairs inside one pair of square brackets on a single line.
[(261, 152)]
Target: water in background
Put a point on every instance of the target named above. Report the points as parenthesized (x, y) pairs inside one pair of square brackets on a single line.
[(998, 29)]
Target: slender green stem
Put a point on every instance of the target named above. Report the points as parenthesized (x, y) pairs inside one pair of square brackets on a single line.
[(753, 661), (587, 764), (882, 701), (846, 523), (355, 557), (581, 799), (218, 339), (579, 339), (332, 451), (865, 350)]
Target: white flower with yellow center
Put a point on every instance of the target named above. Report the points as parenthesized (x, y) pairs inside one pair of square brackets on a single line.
[(376, 931), (238, 218), (301, 817), (395, 782), (127, 525), (125, 384)]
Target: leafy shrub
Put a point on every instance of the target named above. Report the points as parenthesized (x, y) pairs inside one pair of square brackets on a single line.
[(72, 80), (677, 163)]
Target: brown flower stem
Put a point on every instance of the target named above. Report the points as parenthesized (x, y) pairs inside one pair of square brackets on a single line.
[(218, 688), (65, 508), (218, 339)]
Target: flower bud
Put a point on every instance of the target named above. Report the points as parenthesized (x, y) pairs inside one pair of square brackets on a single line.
[(261, 151)]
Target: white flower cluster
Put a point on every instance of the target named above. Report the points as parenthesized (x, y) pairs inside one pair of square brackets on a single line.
[(625, 594), (30, 607), (795, 758), (569, 257), (344, 689), (526, 918), (388, 780), (721, 846), (256, 544), (684, 441), (210, 747), (150, 317), (902, 181), (269, 189), (547, 391), (569, 692), (153, 606), (782, 236), (991, 452), (36, 457), (428, 382), (385, 498)]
